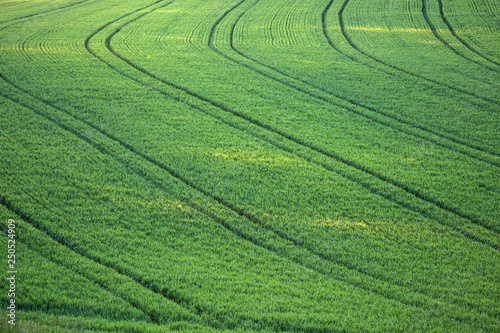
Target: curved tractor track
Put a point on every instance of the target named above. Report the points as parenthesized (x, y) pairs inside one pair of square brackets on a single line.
[(102, 148), (108, 45), (446, 43), (143, 71), (50, 11), (239, 212), (343, 160)]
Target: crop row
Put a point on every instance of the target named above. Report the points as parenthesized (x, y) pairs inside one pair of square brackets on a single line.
[(444, 79), (450, 103), (452, 30), (373, 114), (139, 69), (58, 281), (23, 12), (128, 61), (150, 159)]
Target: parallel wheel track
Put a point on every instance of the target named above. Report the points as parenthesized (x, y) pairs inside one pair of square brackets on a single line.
[(18, 211), (450, 28), (201, 209), (460, 39), (27, 219), (340, 15), (267, 128), (14, 20), (356, 104)]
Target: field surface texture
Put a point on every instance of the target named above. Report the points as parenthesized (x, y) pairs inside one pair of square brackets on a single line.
[(251, 165)]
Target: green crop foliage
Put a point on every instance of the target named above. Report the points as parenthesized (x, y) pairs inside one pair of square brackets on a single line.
[(251, 165)]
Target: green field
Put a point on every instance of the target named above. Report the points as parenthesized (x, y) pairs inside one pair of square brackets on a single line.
[(250, 165)]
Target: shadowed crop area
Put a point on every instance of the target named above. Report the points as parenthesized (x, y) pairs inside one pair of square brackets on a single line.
[(250, 165)]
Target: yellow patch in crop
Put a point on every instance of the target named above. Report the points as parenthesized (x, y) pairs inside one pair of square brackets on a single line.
[(162, 38), (390, 29), (340, 224), (154, 204), (409, 160), (168, 11), (431, 42), (252, 157), (16, 49), (439, 43)]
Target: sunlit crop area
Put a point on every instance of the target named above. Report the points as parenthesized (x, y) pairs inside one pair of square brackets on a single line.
[(250, 165)]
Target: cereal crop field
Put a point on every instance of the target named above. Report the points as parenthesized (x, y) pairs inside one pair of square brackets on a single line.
[(250, 165)]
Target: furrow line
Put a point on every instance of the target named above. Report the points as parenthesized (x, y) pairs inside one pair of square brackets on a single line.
[(23, 49), (12, 3), (289, 18), (166, 294), (386, 64), (409, 12), (332, 155), (198, 208), (128, 43), (492, 6), (87, 40), (443, 41), (360, 105), (221, 119), (42, 13), (491, 29), (286, 24), (44, 46), (218, 199), (473, 5), (398, 119), (281, 29), (241, 212), (460, 39), (192, 36), (334, 47), (273, 22)]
